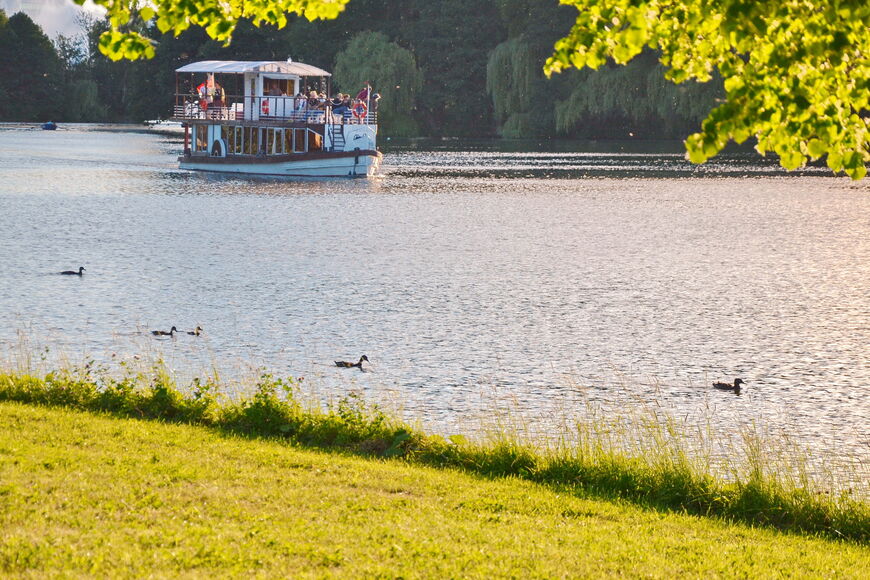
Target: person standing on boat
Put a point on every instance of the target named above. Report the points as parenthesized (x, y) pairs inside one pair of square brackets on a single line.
[(219, 95)]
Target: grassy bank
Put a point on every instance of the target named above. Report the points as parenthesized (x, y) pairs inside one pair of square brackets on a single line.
[(664, 476), (85, 494)]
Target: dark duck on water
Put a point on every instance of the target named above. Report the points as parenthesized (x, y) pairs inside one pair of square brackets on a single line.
[(349, 365), (735, 388), (73, 272), (164, 333)]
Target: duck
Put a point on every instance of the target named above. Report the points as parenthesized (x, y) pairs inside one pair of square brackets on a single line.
[(348, 365), (196, 331), (164, 333), (73, 272), (728, 387)]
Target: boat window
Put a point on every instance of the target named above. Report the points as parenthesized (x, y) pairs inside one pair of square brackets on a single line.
[(239, 140), (229, 136), (288, 141), (264, 144), (299, 140), (315, 141), (252, 141), (273, 144), (201, 137)]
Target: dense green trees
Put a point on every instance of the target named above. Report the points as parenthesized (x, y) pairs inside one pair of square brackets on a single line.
[(30, 71), (371, 58)]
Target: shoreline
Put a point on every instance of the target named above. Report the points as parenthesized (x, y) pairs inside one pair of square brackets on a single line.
[(661, 472)]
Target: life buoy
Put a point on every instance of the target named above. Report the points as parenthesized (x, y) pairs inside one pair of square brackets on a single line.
[(265, 106), (359, 110)]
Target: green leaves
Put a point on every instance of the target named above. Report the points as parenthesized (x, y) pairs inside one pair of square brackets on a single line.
[(217, 17), (796, 72), (130, 45)]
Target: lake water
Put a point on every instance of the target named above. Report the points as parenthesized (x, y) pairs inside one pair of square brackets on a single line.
[(470, 276)]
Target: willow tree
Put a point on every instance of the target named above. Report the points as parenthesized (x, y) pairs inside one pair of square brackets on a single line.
[(518, 90), (796, 72), (391, 70), (636, 99)]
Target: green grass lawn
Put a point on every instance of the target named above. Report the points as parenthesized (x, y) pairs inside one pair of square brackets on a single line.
[(82, 494)]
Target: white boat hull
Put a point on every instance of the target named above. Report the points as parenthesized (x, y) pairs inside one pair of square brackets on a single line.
[(365, 164)]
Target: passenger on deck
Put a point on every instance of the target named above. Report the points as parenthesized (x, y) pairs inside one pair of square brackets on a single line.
[(340, 105), (314, 107), (219, 95)]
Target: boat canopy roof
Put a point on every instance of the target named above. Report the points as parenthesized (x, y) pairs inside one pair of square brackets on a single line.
[(254, 66)]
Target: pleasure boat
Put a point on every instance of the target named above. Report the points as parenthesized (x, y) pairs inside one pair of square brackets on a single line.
[(272, 118)]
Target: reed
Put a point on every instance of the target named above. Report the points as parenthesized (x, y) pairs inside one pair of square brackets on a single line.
[(647, 459)]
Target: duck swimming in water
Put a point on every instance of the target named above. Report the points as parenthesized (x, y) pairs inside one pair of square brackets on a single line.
[(196, 331), (728, 387), (164, 333), (348, 365), (73, 272)]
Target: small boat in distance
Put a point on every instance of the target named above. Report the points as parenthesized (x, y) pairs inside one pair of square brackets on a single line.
[(273, 118), (50, 126)]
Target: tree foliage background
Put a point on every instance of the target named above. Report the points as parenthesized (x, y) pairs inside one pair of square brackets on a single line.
[(793, 74)]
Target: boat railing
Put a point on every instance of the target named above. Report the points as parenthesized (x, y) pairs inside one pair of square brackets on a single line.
[(281, 109)]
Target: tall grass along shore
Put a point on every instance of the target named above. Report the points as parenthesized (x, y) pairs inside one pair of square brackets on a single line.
[(662, 476)]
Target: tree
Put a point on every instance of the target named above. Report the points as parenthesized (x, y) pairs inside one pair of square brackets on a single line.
[(524, 101), (796, 72), (520, 98), (392, 71), (30, 71), (80, 92), (451, 40), (634, 99)]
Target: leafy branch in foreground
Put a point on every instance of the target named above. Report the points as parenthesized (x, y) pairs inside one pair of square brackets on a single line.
[(796, 72), (217, 17)]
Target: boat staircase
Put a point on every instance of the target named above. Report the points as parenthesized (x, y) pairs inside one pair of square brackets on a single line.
[(337, 137)]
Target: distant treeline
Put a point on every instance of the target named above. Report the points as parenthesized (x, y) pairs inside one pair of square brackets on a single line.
[(469, 68)]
